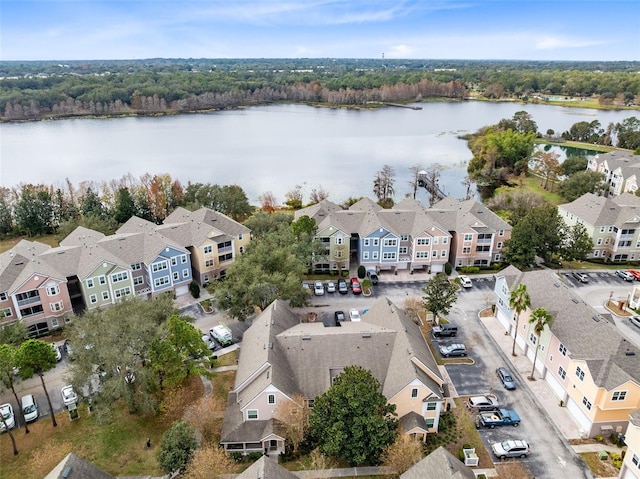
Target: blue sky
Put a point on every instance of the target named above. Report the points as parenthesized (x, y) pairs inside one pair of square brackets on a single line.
[(459, 29)]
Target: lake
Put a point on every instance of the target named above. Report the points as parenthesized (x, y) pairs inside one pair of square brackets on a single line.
[(269, 148)]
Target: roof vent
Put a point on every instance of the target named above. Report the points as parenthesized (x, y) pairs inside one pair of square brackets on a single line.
[(596, 319), (366, 335), (575, 300), (67, 472), (629, 353), (557, 285), (306, 338)]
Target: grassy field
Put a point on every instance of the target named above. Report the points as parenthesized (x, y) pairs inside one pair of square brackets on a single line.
[(532, 183)]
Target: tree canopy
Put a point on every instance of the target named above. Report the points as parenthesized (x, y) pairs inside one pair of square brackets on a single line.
[(540, 232), (439, 295), (352, 420), (177, 447)]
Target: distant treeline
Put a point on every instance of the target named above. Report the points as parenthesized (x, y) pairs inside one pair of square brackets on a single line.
[(31, 90)]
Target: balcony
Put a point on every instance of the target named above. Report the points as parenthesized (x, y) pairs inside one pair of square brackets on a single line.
[(28, 300)]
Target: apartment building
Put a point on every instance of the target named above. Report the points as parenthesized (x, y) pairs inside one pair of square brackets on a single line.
[(631, 465), (621, 171)]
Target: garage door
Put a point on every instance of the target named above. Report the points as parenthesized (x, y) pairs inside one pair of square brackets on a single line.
[(180, 290), (437, 268), (578, 415), (555, 385)]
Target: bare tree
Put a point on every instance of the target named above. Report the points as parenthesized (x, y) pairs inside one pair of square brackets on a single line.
[(403, 453), (383, 183), (413, 182), (294, 415), (268, 202), (318, 194), (294, 197), (209, 461)]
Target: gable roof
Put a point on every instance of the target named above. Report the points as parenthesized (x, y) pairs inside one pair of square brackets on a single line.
[(265, 468), (74, 467), (468, 213), (440, 464), (199, 225), (601, 211)]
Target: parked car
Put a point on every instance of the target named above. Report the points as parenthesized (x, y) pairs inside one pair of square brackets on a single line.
[(342, 286), (68, 395), (318, 288), (511, 448), (488, 402), (29, 407), (209, 342), (635, 274), (354, 315), (582, 277), (339, 315), (56, 349), (9, 418), (505, 377), (465, 281), (456, 349), (355, 286), (444, 330), (331, 287), (372, 275), (625, 275), (68, 349), (222, 334), (635, 320)]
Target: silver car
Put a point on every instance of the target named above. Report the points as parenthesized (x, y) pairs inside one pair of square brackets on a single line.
[(505, 449), (68, 395)]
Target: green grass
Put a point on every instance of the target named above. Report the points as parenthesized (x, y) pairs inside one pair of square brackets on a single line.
[(532, 183), (577, 144), (7, 244)]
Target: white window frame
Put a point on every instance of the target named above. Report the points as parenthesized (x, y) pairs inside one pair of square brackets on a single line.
[(93, 299), (365, 255), (176, 276), (159, 266), (366, 242), (562, 372), (468, 237), (579, 373), (563, 349), (102, 280), (185, 273), (619, 395), (174, 261), (53, 290), (162, 281), (57, 306), (414, 393), (207, 249), (8, 312), (136, 266), (90, 283), (376, 241), (183, 258), (3, 296), (138, 280), (339, 240), (374, 255), (271, 399), (105, 295), (250, 413)]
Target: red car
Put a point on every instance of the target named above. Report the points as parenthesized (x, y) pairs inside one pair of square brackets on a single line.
[(355, 286), (635, 274)]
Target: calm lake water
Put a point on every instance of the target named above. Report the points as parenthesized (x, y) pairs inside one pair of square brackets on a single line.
[(268, 148)]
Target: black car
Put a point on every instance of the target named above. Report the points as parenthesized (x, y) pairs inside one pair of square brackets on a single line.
[(339, 316), (342, 286)]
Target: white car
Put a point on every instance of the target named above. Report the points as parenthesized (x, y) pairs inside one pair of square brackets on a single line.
[(331, 287), (625, 275), (505, 449), (209, 342), (318, 288), (354, 315), (9, 419), (68, 395), (56, 349), (465, 281)]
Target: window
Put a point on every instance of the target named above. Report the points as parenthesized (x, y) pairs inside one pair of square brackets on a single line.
[(562, 373), (432, 406), (587, 403), (580, 373), (414, 393), (610, 229), (155, 267), (422, 254), (208, 263), (56, 306), (252, 414), (54, 322), (162, 281), (390, 242), (376, 241), (636, 461), (136, 266), (533, 338), (596, 253), (423, 242), (435, 240), (389, 255), (483, 249), (52, 290), (365, 255), (183, 258), (602, 228), (115, 278), (338, 254), (185, 273), (619, 395), (3, 296), (403, 250), (7, 312), (93, 299), (562, 349), (366, 241), (404, 237), (105, 295), (339, 240), (271, 398), (434, 253), (225, 257), (445, 240), (374, 255), (599, 242), (501, 233), (208, 249), (466, 250), (119, 293), (176, 276), (102, 280), (443, 253), (174, 261), (497, 257), (90, 283), (499, 244), (241, 249), (468, 237), (430, 422), (138, 281), (240, 236)]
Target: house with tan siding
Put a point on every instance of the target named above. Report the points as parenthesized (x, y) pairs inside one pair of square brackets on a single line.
[(284, 356), (620, 169), (592, 369), (631, 465)]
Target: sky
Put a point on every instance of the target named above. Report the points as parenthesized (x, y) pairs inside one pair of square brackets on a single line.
[(450, 29)]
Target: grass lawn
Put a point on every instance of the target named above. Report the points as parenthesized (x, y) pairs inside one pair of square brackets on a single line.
[(7, 244), (598, 467), (118, 447)]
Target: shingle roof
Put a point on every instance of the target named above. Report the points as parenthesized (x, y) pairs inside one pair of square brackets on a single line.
[(81, 236), (469, 213), (265, 468), (198, 221), (74, 467), (598, 210), (412, 420), (440, 464), (635, 417), (318, 211), (234, 429)]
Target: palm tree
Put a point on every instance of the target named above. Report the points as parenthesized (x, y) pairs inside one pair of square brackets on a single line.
[(519, 301), (540, 318)]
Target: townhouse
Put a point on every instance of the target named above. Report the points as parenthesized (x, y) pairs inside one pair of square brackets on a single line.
[(44, 286), (592, 369), (612, 223), (405, 237), (631, 465), (284, 356), (213, 240), (621, 171)]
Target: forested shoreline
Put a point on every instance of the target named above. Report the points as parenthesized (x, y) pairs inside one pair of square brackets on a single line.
[(41, 90)]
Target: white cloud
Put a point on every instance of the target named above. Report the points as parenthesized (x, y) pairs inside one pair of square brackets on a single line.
[(400, 51), (554, 43)]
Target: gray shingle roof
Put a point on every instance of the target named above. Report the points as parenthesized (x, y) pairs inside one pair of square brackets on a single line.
[(601, 211), (74, 467), (635, 417), (412, 420), (440, 464), (201, 222), (265, 468), (467, 214)]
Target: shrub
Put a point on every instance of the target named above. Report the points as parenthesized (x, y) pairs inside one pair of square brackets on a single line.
[(194, 289), (448, 268), (362, 271)]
